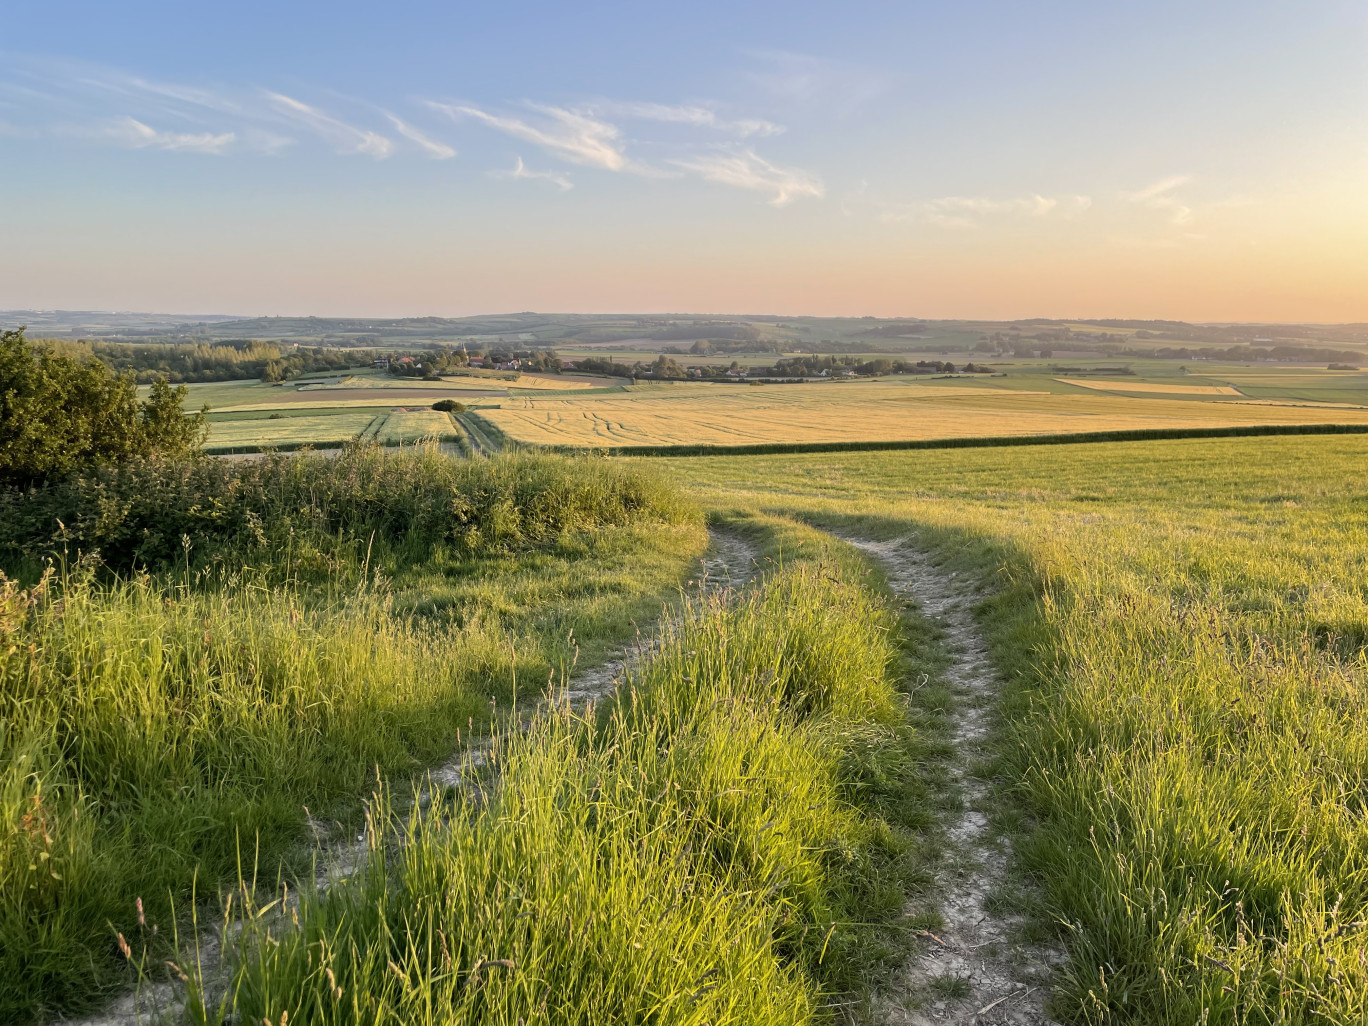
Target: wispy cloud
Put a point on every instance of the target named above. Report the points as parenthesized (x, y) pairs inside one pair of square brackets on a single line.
[(346, 138), (570, 135), (686, 114), (747, 170), (1160, 196), (966, 213), (522, 171), (437, 150), (135, 134), (101, 105)]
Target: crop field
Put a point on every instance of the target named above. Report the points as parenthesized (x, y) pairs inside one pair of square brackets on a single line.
[(262, 431), (1144, 387), (401, 426), (860, 412)]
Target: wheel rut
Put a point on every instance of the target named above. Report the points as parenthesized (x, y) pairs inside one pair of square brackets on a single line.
[(976, 970), (730, 563)]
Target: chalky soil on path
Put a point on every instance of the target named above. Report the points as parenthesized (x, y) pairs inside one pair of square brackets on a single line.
[(975, 970)]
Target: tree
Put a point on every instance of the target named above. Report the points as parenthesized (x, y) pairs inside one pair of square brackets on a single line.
[(59, 414)]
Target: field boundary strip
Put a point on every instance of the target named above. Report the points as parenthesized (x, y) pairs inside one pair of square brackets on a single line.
[(981, 441)]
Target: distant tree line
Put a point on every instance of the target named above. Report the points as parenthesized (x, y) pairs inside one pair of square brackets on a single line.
[(230, 360), (1248, 354), (434, 364), (666, 367)]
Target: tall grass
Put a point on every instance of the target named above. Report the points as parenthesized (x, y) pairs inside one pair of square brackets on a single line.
[(153, 727), (1184, 744), (702, 852)]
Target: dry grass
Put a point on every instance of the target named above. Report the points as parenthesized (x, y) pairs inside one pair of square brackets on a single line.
[(1150, 388), (559, 382), (857, 412)]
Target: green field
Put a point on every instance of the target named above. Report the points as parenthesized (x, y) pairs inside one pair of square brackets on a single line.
[(264, 432), (1113, 693), (1180, 752), (413, 425)]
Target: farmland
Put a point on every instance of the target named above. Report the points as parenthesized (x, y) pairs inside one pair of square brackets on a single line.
[(1019, 399), (1174, 754), (472, 732), (854, 412)]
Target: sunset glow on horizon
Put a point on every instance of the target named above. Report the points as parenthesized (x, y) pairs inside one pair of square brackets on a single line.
[(995, 161)]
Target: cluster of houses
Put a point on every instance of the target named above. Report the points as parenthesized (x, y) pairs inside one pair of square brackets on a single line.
[(490, 363), (385, 363)]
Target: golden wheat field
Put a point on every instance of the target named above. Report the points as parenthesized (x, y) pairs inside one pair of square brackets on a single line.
[(706, 414), (1150, 388)]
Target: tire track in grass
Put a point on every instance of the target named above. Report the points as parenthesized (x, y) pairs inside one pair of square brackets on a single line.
[(975, 970), (730, 563)]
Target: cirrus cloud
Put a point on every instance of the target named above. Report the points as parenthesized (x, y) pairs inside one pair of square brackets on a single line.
[(347, 138), (748, 170)]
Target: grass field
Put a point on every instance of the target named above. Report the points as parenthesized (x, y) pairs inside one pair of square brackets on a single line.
[(262, 431), (1182, 754), (713, 848), (401, 426), (1178, 758), (885, 410), (331, 621)]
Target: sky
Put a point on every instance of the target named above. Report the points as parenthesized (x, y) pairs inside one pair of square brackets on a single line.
[(980, 159)]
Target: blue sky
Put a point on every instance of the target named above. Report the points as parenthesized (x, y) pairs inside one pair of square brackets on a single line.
[(1201, 160)]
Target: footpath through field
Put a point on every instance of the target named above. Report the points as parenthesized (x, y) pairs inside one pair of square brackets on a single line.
[(730, 563), (975, 970)]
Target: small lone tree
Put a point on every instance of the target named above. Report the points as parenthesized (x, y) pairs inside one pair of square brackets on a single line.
[(59, 414), (448, 406)]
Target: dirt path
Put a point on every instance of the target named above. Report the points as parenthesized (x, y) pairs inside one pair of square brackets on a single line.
[(974, 971), (730, 562)]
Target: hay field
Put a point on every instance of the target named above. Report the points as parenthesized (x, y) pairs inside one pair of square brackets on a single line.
[(861, 412), (1149, 387), (355, 382), (560, 382)]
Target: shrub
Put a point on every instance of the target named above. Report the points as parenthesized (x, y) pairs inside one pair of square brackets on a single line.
[(151, 512), (449, 406), (59, 414)]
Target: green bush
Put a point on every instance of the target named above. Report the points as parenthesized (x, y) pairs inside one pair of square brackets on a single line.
[(157, 511), (449, 406), (59, 414)]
